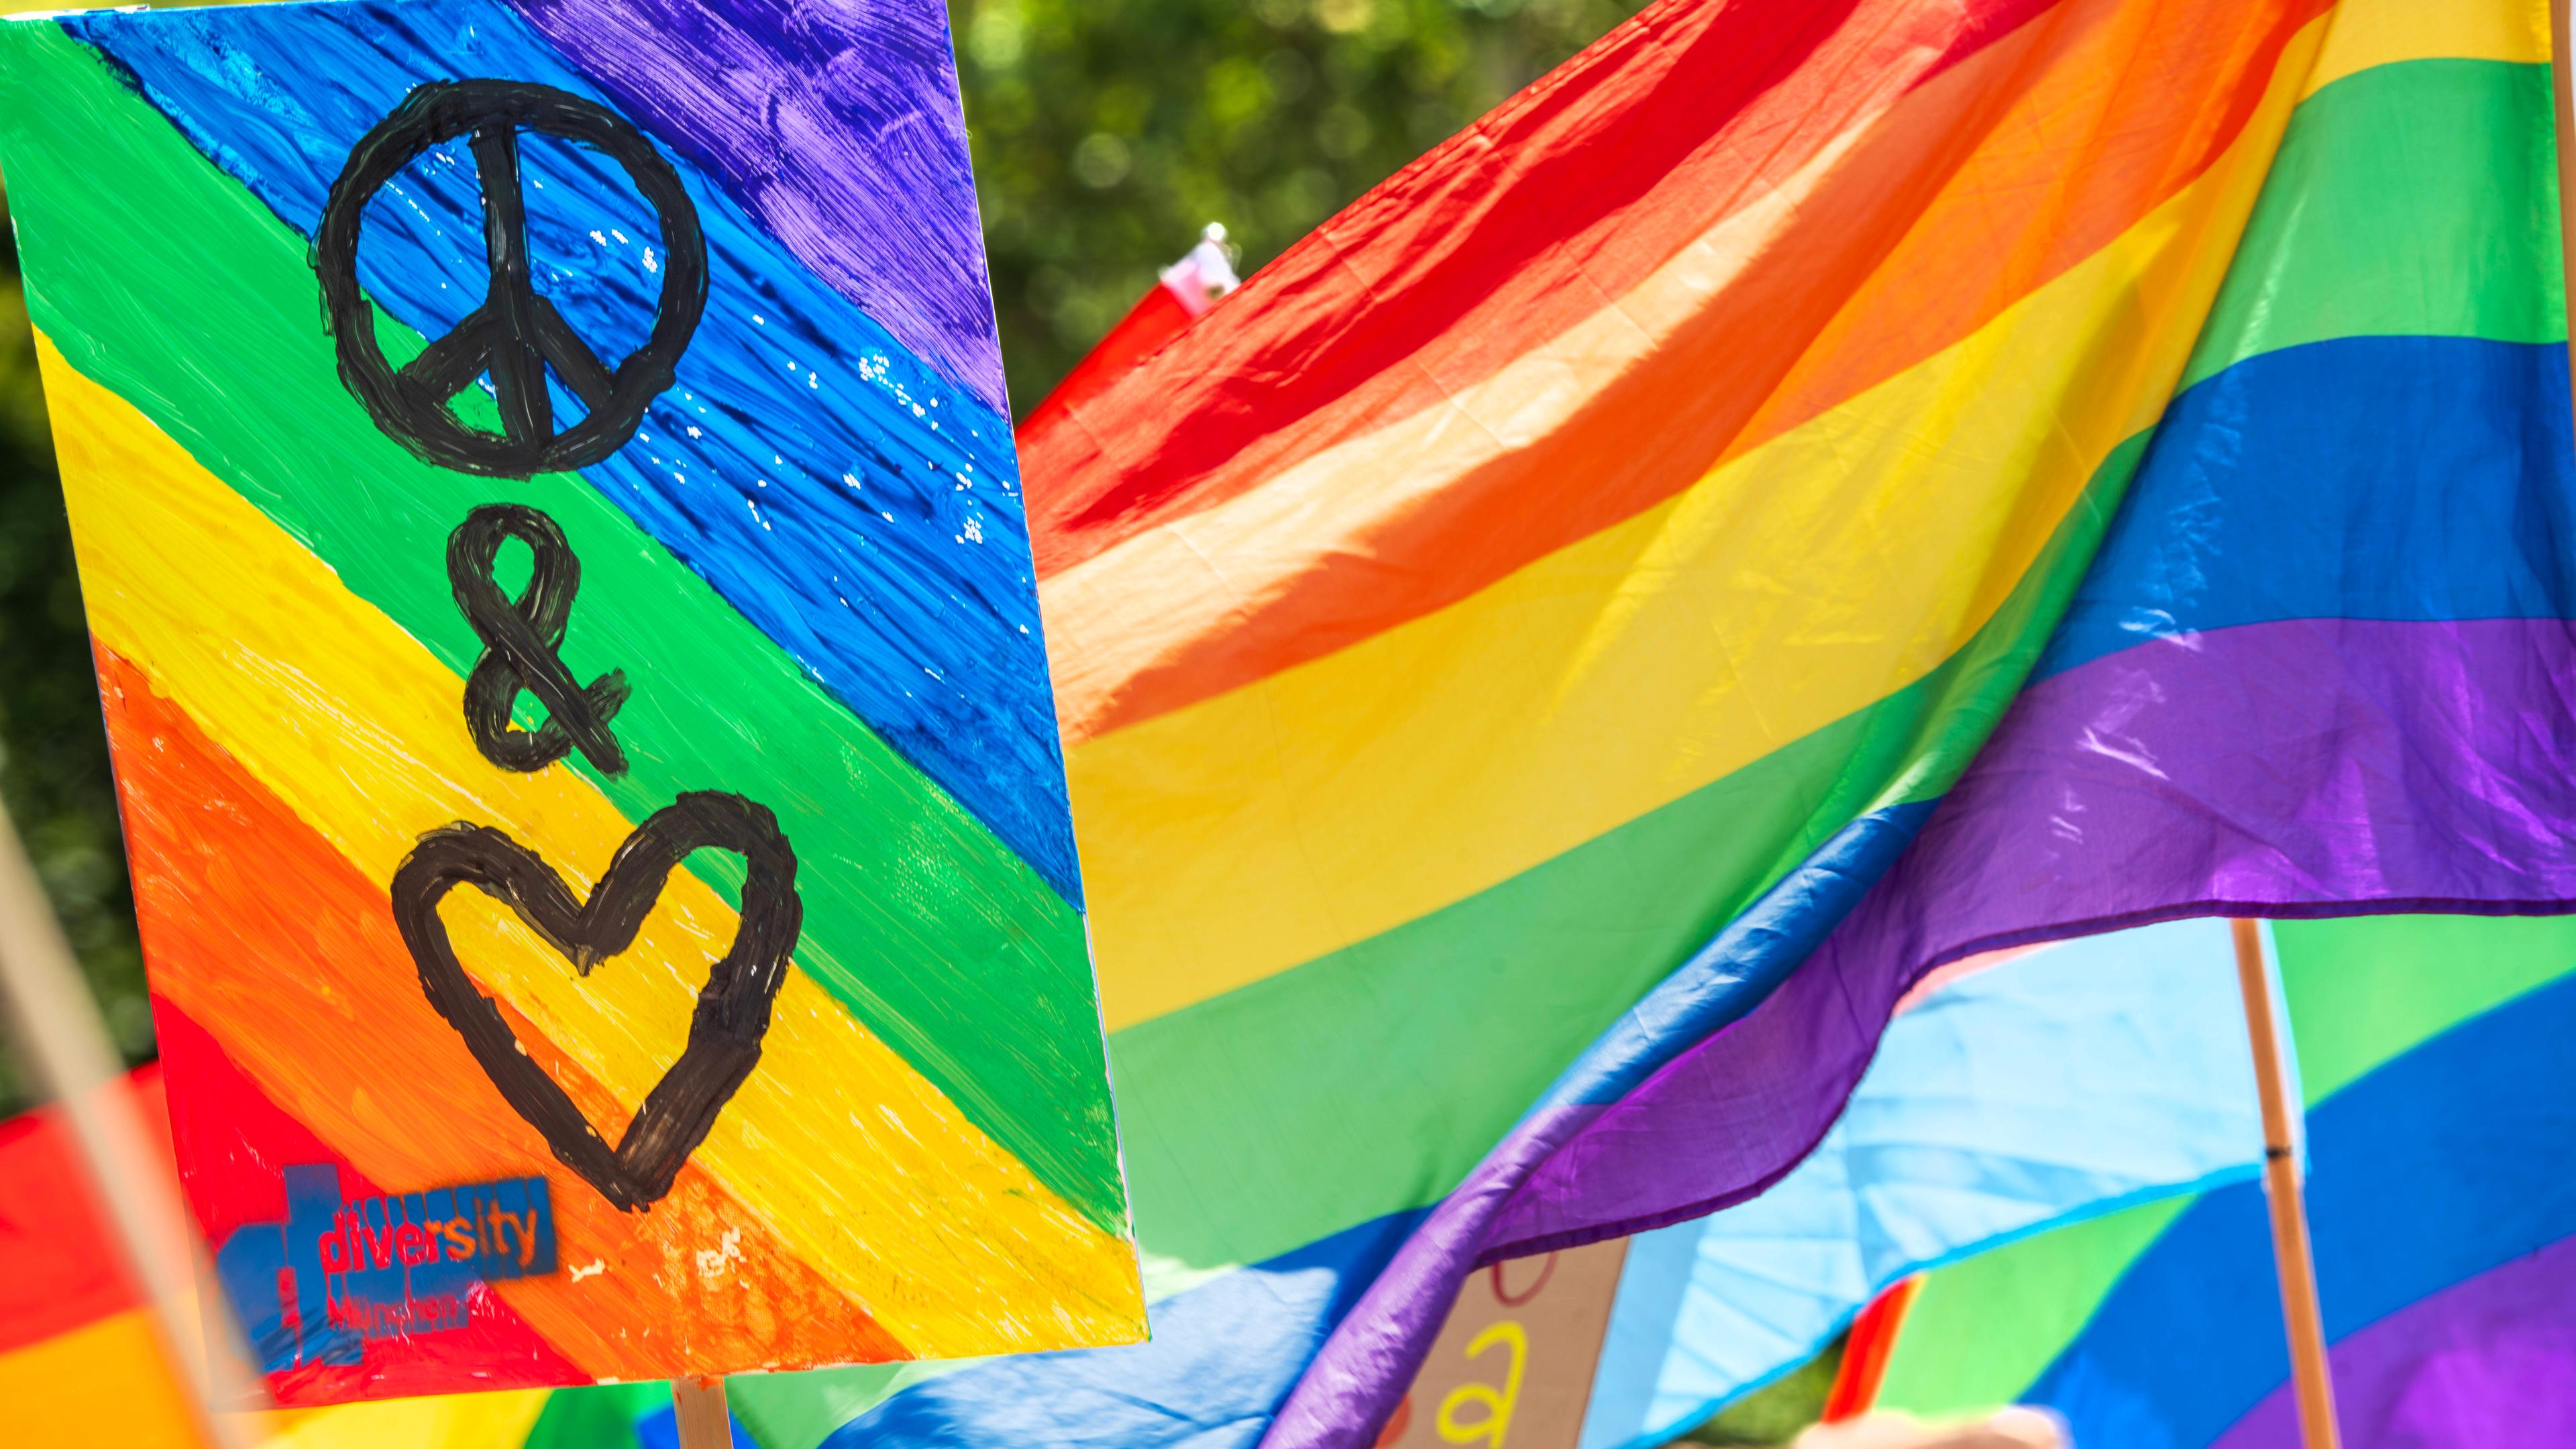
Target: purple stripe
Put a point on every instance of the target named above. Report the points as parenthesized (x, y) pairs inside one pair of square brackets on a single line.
[(838, 126), (2318, 767), (2311, 767), (2487, 1361)]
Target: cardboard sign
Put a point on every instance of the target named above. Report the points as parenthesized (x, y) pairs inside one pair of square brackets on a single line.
[(546, 509), (1512, 1368)]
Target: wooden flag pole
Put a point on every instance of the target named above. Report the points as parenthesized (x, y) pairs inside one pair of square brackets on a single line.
[(699, 1404), (62, 1041), (2565, 110), (2298, 1273)]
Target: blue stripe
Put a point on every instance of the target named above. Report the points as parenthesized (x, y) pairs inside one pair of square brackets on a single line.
[(2439, 1165), (861, 510), (2308, 466), (1223, 1357)]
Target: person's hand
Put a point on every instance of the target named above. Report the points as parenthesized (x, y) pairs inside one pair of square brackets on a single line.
[(2014, 1428)]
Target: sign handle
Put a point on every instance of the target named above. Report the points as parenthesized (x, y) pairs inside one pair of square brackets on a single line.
[(62, 1041), (2290, 1257), (699, 1404), (2564, 116)]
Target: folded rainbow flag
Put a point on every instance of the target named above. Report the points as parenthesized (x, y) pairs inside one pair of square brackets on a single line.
[(1537, 613), (2439, 1127)]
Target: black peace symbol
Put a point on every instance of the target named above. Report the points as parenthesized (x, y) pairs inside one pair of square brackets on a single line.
[(516, 335)]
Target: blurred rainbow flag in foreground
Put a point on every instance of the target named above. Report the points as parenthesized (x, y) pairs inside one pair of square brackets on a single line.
[(2439, 1128)]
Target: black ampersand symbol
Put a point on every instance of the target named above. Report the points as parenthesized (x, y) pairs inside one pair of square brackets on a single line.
[(516, 335), (733, 1008), (522, 639)]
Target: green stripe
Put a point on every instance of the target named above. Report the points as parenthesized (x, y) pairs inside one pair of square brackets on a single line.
[(168, 283), (1240, 1112), (595, 1418), (2450, 164), (801, 1410), (1981, 1332), (2366, 990)]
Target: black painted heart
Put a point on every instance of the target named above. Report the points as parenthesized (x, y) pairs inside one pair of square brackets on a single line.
[(733, 1007)]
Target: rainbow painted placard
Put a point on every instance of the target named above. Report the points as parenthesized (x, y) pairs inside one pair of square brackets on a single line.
[(565, 617)]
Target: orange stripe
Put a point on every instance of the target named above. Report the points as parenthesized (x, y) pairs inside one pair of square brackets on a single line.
[(223, 871), (1977, 189)]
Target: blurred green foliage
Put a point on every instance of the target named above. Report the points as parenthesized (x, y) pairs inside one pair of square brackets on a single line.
[(1105, 134), (53, 750)]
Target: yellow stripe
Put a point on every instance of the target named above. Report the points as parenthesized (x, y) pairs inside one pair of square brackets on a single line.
[(1236, 838), (456, 1421), (2367, 33), (103, 1385), (854, 1160)]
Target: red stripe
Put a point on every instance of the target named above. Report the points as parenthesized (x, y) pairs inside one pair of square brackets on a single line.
[(236, 1143), (1867, 1350), (1511, 231)]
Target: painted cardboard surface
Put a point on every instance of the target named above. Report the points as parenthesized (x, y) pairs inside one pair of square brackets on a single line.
[(565, 620)]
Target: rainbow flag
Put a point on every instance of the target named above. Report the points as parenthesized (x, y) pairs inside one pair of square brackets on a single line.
[(1504, 641), (2439, 1125), (790, 912)]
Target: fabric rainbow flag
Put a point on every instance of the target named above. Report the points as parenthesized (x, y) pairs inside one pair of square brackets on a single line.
[(2439, 1126), (818, 719), (1501, 643)]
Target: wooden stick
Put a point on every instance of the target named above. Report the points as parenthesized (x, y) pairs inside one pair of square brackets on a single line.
[(61, 1039), (2559, 53), (2298, 1273), (699, 1404)]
